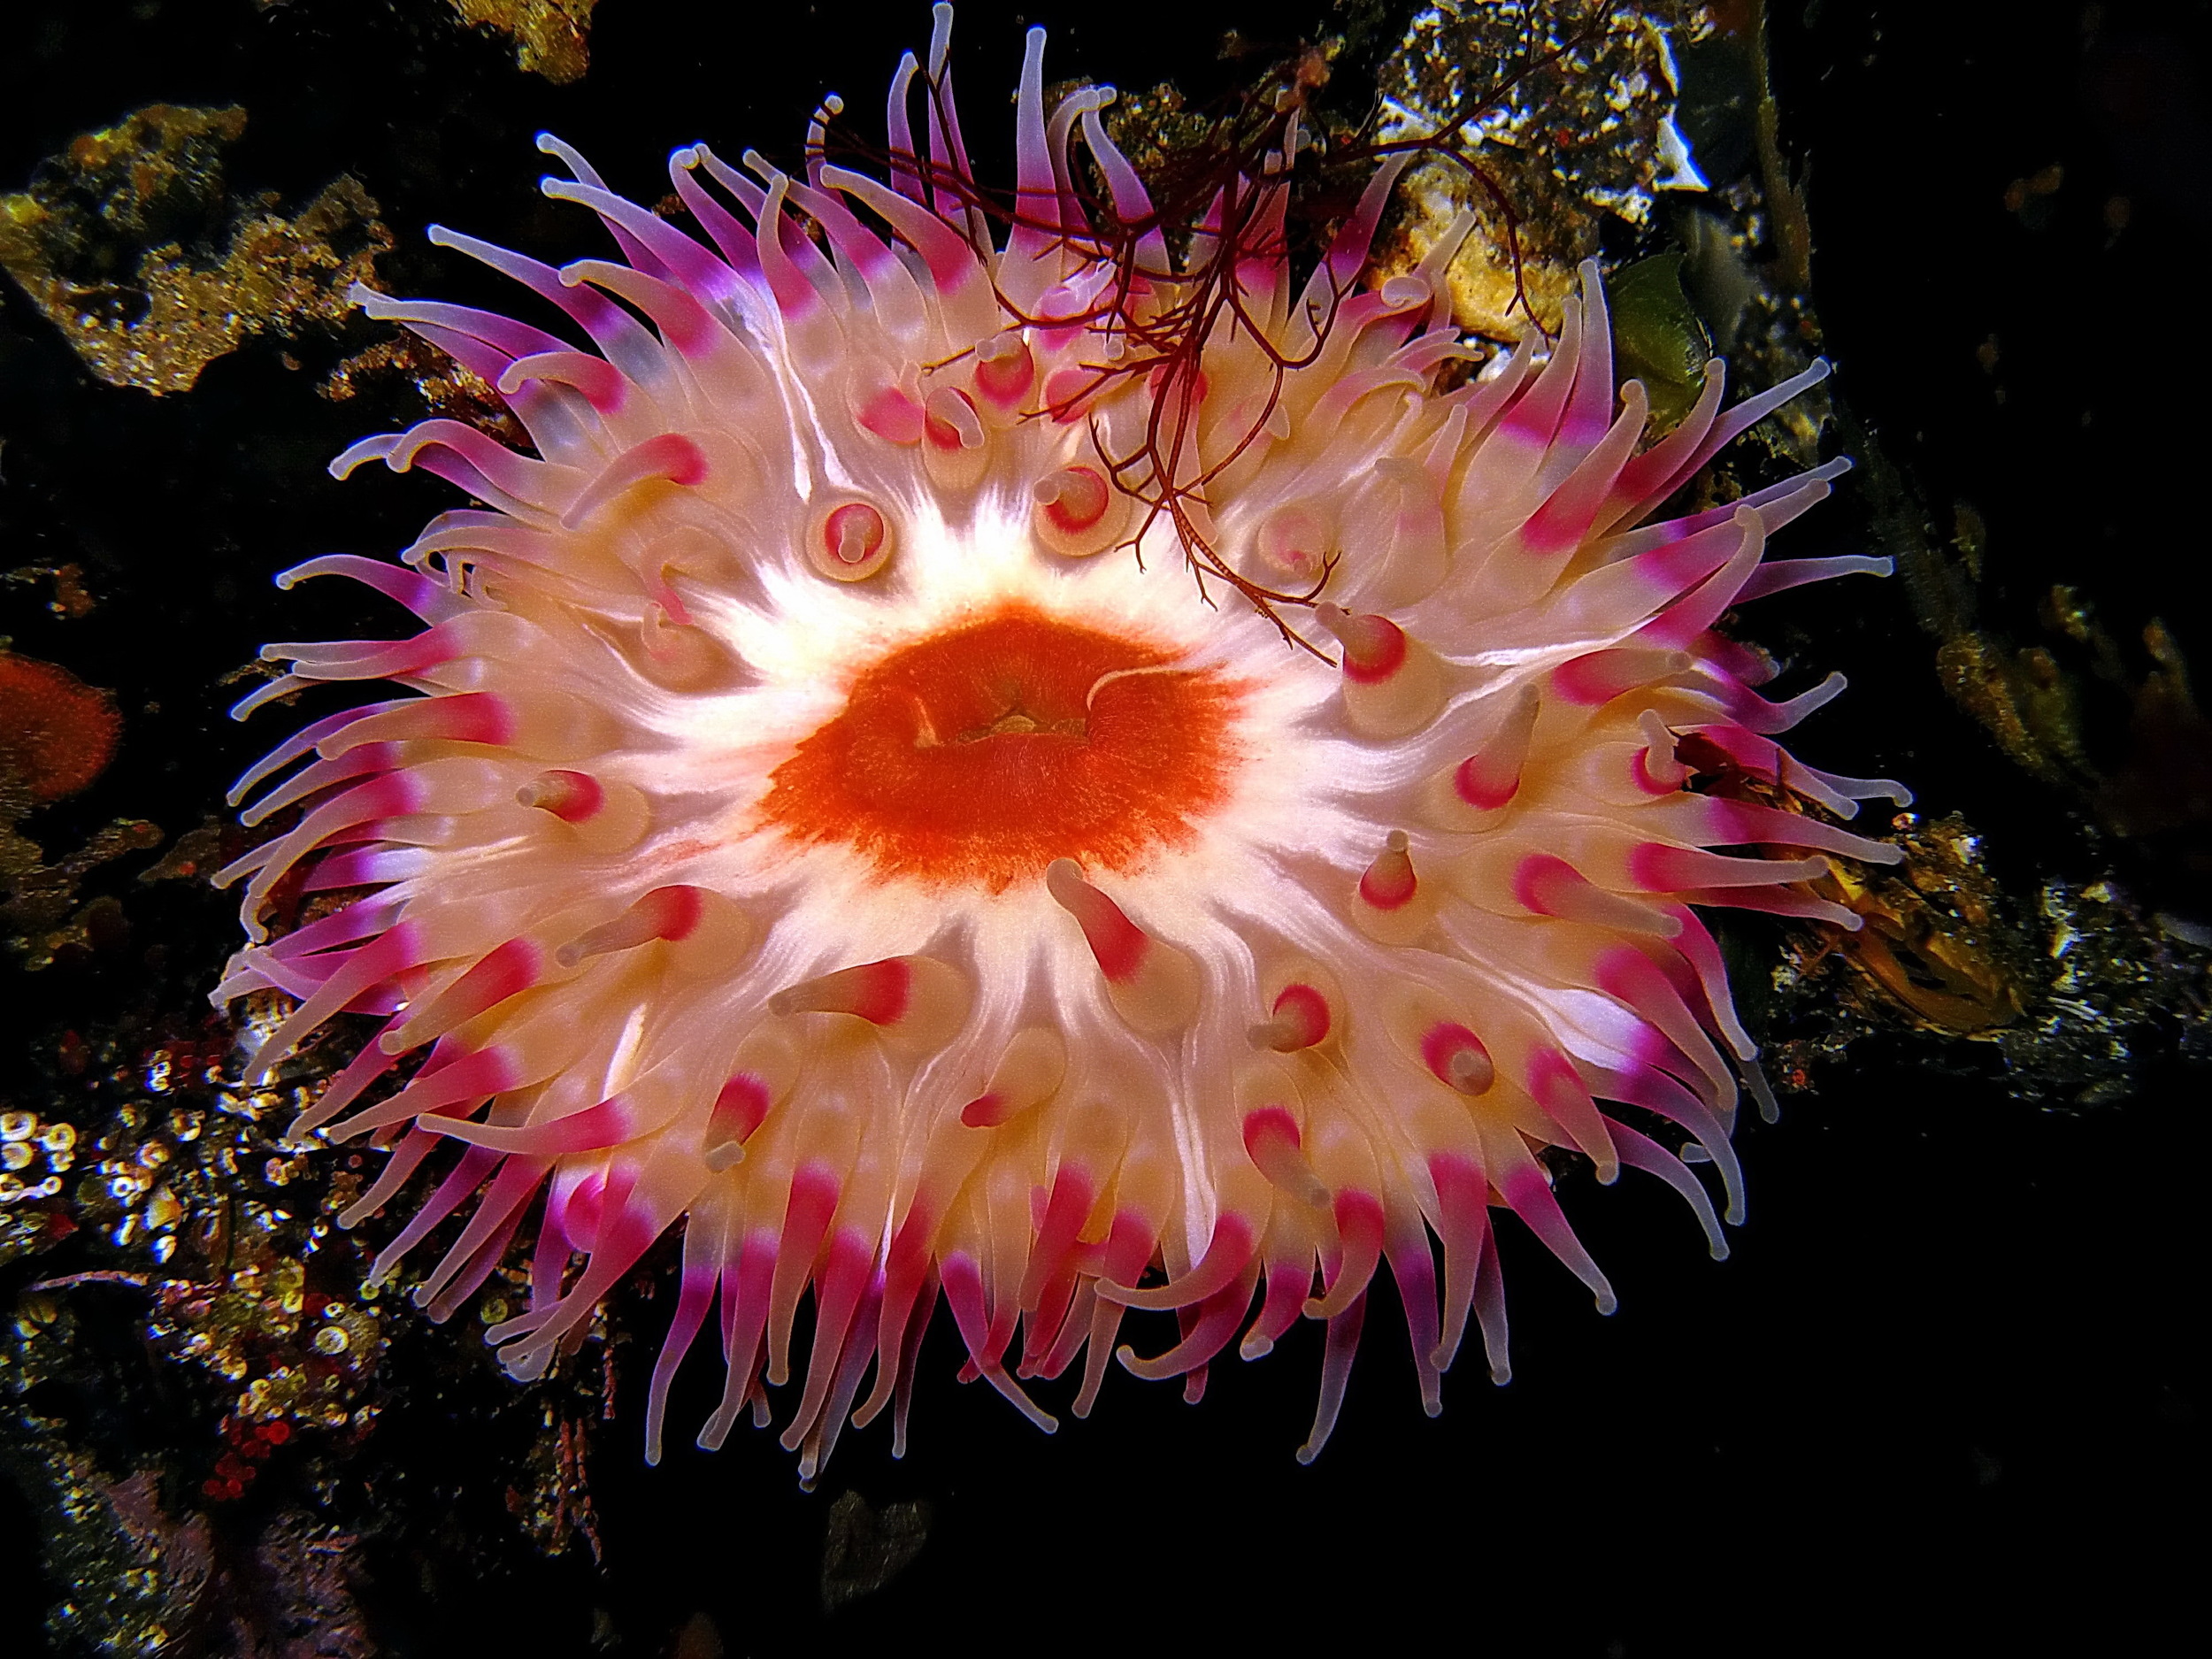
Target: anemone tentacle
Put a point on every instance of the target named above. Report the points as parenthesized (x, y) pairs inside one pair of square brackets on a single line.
[(811, 829)]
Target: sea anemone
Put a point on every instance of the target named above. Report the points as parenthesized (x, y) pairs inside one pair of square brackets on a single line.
[(999, 769)]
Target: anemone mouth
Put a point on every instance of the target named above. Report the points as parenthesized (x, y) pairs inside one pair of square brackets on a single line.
[(976, 755)]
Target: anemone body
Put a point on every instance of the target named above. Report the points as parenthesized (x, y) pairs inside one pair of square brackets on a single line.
[(826, 816)]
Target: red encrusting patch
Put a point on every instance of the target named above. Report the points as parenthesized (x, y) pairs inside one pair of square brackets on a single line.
[(984, 752), (56, 734)]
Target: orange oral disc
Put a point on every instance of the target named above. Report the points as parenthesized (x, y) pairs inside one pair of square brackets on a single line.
[(982, 753)]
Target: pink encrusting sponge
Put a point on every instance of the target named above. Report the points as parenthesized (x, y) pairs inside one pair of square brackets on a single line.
[(825, 816)]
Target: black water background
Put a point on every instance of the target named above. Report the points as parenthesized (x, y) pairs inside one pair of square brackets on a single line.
[(1940, 1400)]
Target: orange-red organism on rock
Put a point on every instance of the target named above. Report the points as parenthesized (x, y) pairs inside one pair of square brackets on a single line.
[(56, 734)]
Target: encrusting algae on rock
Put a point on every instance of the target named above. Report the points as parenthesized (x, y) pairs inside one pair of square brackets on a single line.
[(128, 245)]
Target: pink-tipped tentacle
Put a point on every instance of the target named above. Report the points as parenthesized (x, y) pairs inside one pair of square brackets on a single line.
[(1639, 1152), (964, 1294), (1338, 1353), (1406, 1247), (1131, 203), (735, 243), (431, 600), (1227, 1254), (626, 342), (652, 245), (695, 1299), (1724, 431), (1528, 1194), (1215, 1320), (1360, 1228)]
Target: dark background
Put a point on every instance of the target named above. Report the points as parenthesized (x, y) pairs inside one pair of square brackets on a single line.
[(1940, 1400)]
